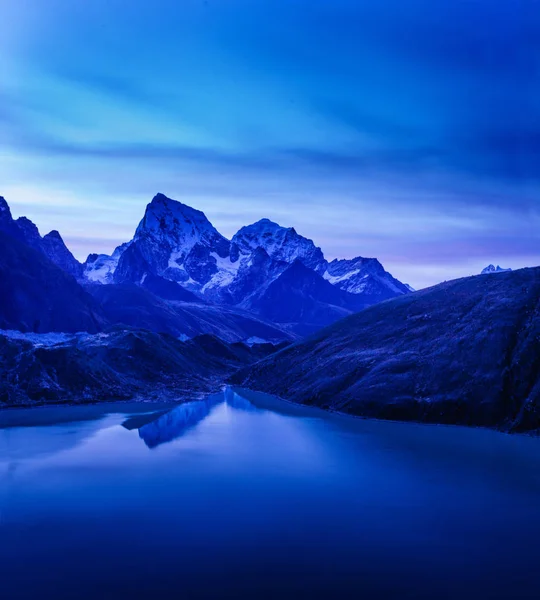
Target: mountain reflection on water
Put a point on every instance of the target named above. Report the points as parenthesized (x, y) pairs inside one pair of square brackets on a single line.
[(244, 496), (173, 424)]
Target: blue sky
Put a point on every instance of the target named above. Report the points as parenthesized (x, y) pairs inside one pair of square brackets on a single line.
[(409, 131)]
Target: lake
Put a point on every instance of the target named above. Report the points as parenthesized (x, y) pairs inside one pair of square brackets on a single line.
[(245, 496)]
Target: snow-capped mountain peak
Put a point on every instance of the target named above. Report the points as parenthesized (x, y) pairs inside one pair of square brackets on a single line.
[(281, 243), (364, 276), (177, 225), (493, 269), (175, 241)]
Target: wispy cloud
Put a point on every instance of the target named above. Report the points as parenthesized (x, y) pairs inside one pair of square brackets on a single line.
[(409, 131)]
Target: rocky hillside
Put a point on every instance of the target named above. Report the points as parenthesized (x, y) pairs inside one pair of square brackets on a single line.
[(462, 352), (118, 364)]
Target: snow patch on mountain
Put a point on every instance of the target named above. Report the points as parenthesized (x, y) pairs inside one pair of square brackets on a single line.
[(226, 273), (254, 341), (100, 268), (335, 279)]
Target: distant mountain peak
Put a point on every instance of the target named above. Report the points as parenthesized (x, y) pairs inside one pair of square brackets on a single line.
[(267, 223), (55, 248), (493, 269), (159, 197), (54, 235), (366, 276)]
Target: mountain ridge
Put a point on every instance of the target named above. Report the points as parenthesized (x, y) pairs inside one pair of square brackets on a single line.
[(178, 254), (51, 245)]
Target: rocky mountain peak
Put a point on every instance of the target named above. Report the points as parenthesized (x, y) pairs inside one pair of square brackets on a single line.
[(494, 269), (5, 212), (29, 231), (7, 224), (281, 243), (364, 276), (54, 235), (174, 226), (54, 247)]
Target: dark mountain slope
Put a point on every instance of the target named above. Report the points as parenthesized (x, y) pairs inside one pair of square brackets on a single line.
[(36, 295), (466, 351), (169, 290), (303, 300), (134, 306), (117, 364), (54, 247)]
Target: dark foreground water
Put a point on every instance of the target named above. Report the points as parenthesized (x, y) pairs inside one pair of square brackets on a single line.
[(254, 498)]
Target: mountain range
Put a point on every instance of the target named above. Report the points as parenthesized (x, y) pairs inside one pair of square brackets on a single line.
[(266, 273), (261, 264), (173, 311), (180, 309)]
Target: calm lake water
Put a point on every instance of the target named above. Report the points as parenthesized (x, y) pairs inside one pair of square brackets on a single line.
[(244, 496)]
